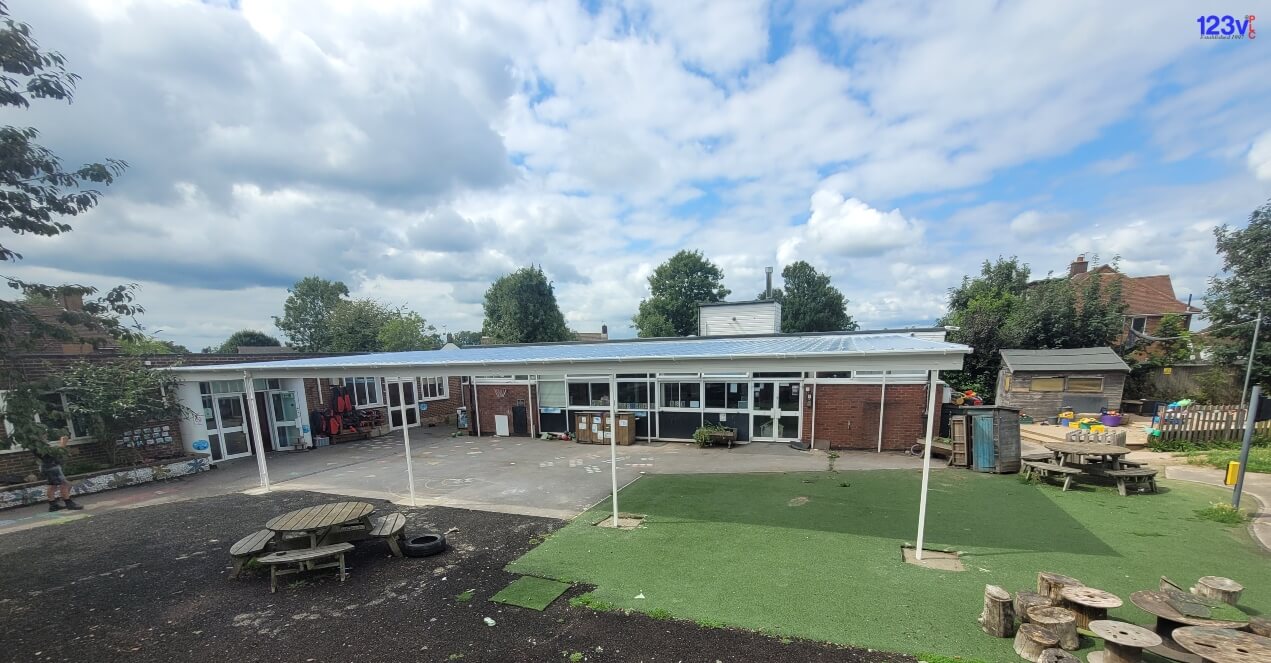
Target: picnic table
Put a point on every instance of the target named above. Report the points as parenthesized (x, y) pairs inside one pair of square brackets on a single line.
[(1083, 453), (319, 522), (1169, 620)]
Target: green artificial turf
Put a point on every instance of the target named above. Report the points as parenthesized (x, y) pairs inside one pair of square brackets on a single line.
[(802, 555), (530, 592)]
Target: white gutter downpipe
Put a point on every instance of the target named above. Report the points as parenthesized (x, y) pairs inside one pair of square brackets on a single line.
[(410, 466), (882, 407), (613, 442), (476, 405), (258, 433), (926, 462)]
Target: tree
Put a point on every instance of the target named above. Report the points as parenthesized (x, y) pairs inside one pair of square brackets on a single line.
[(152, 346), (977, 309), (407, 330), (521, 308), (809, 303), (465, 337), (1175, 346), (1245, 291), (245, 338), (307, 312), (113, 398), (676, 287), (355, 325), (37, 194)]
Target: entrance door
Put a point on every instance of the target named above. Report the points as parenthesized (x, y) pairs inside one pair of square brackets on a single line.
[(775, 412), (284, 419), (226, 428), (395, 404)]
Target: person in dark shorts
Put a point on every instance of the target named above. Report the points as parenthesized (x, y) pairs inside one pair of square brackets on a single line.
[(51, 468)]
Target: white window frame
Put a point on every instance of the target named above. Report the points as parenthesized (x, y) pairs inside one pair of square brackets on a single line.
[(8, 427), (351, 383), (433, 388)]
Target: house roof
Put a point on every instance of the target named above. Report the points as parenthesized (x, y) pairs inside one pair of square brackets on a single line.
[(1143, 295), (813, 350), (1073, 359)]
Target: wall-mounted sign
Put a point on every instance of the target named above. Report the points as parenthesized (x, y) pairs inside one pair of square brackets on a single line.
[(549, 410), (423, 407), (200, 445)]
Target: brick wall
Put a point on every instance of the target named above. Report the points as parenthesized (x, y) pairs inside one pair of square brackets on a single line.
[(491, 404), (439, 411), (162, 439), (847, 416)]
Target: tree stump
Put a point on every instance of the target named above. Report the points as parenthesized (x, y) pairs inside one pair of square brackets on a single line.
[(1025, 599), (1059, 622), (1260, 626), (1057, 656), (1089, 604), (1031, 640), (1052, 584), (1122, 642), (1223, 589), (998, 619)]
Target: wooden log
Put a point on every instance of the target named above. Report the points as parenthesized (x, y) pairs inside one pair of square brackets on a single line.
[(1053, 584), (1025, 599), (1057, 656), (998, 618), (1059, 622), (1223, 589), (1260, 626), (1031, 640)]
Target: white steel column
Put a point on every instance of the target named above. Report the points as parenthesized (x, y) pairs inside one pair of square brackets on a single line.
[(926, 461), (249, 390), (476, 416), (812, 442), (410, 466), (613, 442), (882, 407), (530, 410)]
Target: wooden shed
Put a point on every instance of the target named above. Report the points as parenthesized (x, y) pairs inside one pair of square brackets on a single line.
[(1042, 382)]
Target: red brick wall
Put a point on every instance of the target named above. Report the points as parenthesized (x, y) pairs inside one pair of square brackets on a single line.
[(492, 404), (847, 416), (24, 462)]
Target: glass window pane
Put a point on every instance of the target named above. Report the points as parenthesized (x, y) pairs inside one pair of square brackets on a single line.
[(671, 394), (209, 416), (715, 394), (691, 394), (600, 393), (1085, 385), (834, 374), (1046, 384), (736, 397), (205, 388), (552, 394), (579, 393)]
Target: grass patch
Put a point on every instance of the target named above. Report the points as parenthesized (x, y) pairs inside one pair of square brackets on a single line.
[(530, 592), (464, 597), (736, 550), (1221, 512), (1259, 459), (938, 658)]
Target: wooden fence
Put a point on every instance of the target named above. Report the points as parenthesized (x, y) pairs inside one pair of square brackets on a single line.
[(1206, 423)]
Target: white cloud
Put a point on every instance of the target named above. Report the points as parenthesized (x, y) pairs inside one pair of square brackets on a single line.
[(1032, 223), (847, 227), (1259, 158)]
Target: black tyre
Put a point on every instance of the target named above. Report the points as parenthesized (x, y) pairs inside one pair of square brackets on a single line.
[(424, 545)]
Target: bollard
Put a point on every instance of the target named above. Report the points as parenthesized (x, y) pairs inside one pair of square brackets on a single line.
[(1233, 471)]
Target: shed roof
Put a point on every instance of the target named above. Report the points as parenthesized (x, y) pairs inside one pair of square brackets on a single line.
[(1072, 359), (580, 355)]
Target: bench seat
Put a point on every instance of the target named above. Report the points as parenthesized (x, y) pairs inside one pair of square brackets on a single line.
[(305, 560), (1047, 469), (1040, 456), (391, 528), (1139, 479), (248, 548)]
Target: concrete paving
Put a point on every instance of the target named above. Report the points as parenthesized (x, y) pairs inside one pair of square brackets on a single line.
[(511, 475)]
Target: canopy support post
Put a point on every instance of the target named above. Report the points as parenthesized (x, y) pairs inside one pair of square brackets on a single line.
[(410, 466), (882, 407), (249, 389), (613, 442), (926, 461)]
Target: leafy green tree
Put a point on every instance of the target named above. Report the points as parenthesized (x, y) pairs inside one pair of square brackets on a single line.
[(676, 287), (521, 308), (115, 398), (465, 337), (977, 309), (355, 325), (152, 346), (39, 195), (407, 330), (1243, 292), (245, 338), (809, 303), (307, 312), (1176, 346)]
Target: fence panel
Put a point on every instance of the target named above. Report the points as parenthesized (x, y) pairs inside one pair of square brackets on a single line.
[(1205, 423)]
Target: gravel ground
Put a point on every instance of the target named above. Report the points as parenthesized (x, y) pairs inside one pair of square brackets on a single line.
[(151, 584)]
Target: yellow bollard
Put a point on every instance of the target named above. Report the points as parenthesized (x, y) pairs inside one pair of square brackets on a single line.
[(1233, 470)]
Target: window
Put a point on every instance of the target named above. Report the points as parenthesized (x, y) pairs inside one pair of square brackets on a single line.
[(1085, 385), (221, 387), (365, 391), (1138, 324), (57, 419), (779, 375), (588, 394), (433, 388), (633, 395), (266, 384), (835, 375), (1046, 384), (552, 394), (682, 394), (727, 395)]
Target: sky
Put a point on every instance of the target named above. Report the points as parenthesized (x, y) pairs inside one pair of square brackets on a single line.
[(419, 150)]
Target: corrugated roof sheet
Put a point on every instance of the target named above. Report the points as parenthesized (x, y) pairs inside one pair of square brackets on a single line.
[(740, 347), (1073, 359)]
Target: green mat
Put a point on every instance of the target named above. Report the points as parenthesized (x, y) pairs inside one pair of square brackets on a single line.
[(530, 592)]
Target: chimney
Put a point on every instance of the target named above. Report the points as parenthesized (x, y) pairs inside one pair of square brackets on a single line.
[(604, 331), (73, 301), (1078, 266), (767, 291)]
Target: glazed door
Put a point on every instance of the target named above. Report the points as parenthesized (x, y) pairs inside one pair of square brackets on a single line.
[(395, 404), (284, 419), (775, 412), (226, 423)]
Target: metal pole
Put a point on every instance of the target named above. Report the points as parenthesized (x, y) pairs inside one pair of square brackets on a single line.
[(613, 442), (254, 417), (882, 407), (410, 467), (530, 410), (1253, 349), (812, 435), (926, 462), (1244, 447), (476, 404)]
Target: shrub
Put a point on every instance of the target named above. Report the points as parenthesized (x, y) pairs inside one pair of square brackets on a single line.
[(1221, 512), (702, 436)]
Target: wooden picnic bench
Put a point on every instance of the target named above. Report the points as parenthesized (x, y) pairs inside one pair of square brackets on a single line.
[(392, 529), (1047, 469), (247, 548), (1140, 479), (305, 560), (1037, 457)]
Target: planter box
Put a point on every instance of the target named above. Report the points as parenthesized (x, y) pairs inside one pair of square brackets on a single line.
[(95, 482)]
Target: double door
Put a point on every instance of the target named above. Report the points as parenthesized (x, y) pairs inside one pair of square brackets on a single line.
[(395, 403), (776, 414), (225, 418)]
